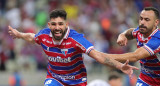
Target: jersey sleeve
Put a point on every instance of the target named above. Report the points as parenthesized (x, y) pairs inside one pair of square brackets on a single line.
[(83, 44), (153, 46), (135, 31), (37, 37)]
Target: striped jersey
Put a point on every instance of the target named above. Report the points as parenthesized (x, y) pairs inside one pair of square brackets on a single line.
[(65, 61), (150, 66)]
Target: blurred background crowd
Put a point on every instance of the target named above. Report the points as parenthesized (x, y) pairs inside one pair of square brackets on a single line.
[(99, 20)]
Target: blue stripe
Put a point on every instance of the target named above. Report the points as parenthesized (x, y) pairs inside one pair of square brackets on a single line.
[(152, 68), (66, 67), (151, 75), (57, 50), (53, 49), (74, 73), (150, 61), (43, 31), (71, 50), (78, 72), (76, 56)]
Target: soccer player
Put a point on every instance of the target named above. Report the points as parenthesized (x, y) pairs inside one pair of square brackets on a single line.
[(147, 35), (64, 48)]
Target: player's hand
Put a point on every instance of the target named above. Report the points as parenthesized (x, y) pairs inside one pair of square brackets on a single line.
[(13, 32), (122, 40), (128, 69)]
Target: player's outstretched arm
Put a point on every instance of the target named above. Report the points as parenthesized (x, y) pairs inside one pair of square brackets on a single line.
[(16, 34), (101, 58), (124, 37)]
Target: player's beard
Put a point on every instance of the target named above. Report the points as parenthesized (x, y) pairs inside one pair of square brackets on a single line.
[(143, 29), (61, 32)]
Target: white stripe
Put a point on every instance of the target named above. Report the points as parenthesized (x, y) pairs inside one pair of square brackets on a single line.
[(154, 32), (150, 50), (87, 51), (67, 33)]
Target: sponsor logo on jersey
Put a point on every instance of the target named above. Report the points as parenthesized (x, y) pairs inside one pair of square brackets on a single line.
[(67, 43), (64, 77), (45, 40), (59, 59)]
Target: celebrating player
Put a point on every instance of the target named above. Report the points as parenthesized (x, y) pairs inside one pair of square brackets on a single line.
[(147, 35)]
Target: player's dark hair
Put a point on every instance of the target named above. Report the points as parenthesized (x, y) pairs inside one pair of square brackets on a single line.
[(156, 12), (58, 13), (114, 76)]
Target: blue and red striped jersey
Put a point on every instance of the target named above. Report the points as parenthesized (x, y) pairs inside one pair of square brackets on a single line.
[(65, 60), (150, 66)]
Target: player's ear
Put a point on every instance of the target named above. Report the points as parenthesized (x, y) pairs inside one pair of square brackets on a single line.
[(157, 22), (49, 24), (67, 24)]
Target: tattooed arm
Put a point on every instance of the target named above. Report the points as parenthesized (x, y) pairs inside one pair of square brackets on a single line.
[(101, 58), (125, 36)]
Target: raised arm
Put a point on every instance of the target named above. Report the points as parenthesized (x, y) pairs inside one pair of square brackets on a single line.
[(26, 36), (103, 59), (138, 54), (124, 37)]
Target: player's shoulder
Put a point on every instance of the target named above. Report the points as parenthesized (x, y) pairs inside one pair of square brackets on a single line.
[(74, 34), (44, 31), (156, 33)]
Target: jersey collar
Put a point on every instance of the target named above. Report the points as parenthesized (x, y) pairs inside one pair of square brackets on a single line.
[(154, 31)]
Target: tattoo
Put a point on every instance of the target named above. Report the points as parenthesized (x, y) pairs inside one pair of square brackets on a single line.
[(128, 34), (108, 61)]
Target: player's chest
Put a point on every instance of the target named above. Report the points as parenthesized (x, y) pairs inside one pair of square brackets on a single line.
[(65, 43), (65, 48), (141, 41)]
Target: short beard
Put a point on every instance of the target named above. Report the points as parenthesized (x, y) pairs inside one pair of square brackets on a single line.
[(59, 38)]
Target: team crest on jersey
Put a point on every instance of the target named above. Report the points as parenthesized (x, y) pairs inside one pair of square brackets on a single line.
[(64, 51)]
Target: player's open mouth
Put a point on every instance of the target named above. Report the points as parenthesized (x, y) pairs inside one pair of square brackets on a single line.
[(58, 33)]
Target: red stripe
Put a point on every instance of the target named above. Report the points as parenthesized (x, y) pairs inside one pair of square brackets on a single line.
[(82, 49), (68, 71), (83, 74), (150, 80), (154, 32), (157, 72), (53, 54), (50, 75), (151, 57)]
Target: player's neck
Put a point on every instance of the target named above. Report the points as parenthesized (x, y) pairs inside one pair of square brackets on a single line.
[(149, 33), (56, 40)]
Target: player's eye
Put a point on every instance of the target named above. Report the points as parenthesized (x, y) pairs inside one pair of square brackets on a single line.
[(147, 19), (53, 23), (61, 23)]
